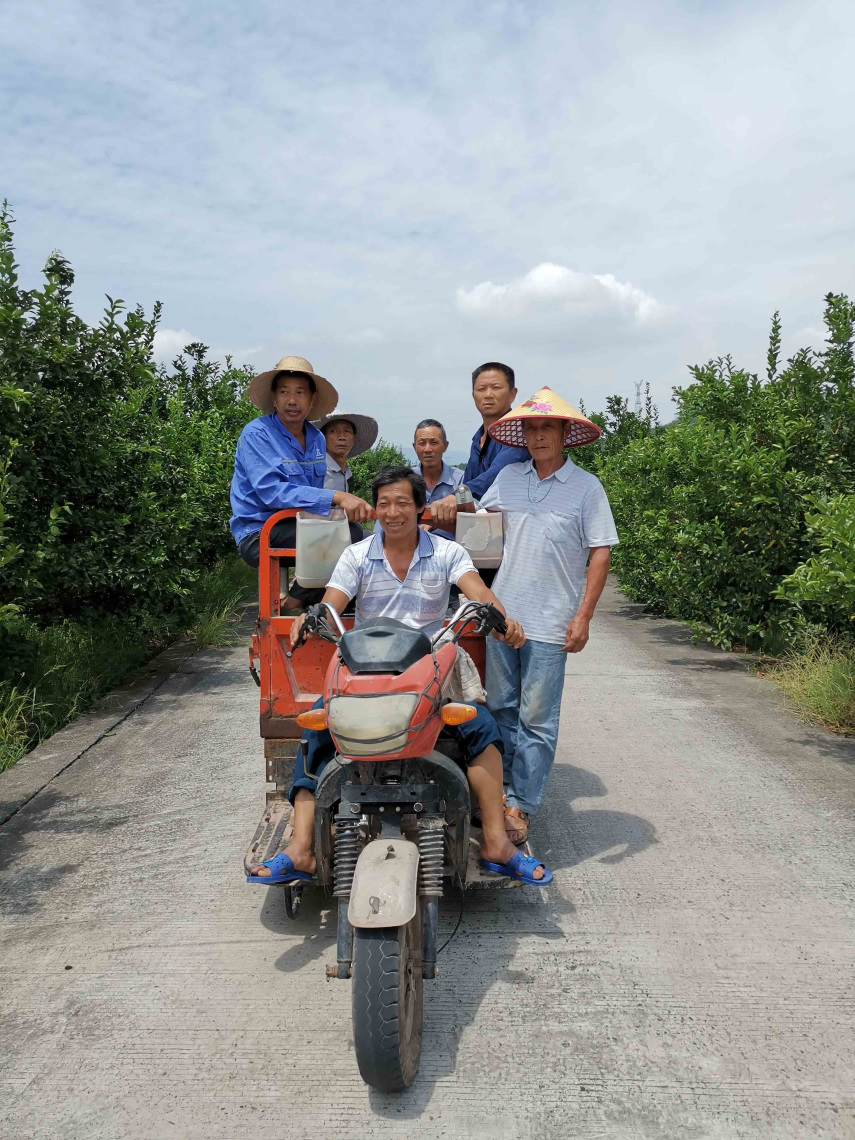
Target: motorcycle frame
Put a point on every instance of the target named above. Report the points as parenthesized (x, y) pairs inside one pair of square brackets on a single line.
[(399, 793)]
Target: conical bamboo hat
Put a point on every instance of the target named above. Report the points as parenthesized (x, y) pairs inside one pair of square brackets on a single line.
[(544, 402)]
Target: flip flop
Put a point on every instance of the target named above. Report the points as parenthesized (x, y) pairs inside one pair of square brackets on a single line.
[(522, 868), (282, 870)]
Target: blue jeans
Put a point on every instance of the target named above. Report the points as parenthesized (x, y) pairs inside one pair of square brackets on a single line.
[(524, 688), (317, 748)]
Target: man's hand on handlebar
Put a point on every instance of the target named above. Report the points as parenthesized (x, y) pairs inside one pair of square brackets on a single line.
[(472, 586), (357, 509), (514, 635), (296, 629)]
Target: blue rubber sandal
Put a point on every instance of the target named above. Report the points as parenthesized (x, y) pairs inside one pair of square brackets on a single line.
[(522, 868), (282, 870)]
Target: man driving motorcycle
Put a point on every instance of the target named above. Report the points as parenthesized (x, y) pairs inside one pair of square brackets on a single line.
[(405, 573)]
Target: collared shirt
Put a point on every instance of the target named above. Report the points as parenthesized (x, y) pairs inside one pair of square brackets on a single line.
[(449, 480), (486, 463), (336, 479), (550, 525), (420, 601), (273, 473)]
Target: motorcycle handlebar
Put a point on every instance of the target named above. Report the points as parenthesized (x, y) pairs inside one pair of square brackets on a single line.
[(317, 622), (485, 615)]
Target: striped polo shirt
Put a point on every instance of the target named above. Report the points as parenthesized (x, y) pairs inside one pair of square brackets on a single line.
[(550, 525), (421, 600)]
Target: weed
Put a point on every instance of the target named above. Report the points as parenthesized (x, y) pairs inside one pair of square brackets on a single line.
[(820, 681), (13, 725), (218, 600), (63, 669)]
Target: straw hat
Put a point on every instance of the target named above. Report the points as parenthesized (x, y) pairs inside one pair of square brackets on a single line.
[(260, 393), (365, 428), (544, 403)]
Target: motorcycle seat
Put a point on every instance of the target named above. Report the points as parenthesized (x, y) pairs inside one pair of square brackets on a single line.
[(383, 645)]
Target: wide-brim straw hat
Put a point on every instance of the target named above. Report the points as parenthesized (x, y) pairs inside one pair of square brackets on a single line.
[(545, 403), (365, 427), (261, 393)]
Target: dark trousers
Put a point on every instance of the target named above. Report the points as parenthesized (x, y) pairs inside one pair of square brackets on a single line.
[(284, 534)]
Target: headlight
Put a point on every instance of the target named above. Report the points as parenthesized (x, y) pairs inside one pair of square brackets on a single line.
[(371, 726)]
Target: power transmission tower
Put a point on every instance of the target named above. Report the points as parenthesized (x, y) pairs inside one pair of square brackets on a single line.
[(638, 387)]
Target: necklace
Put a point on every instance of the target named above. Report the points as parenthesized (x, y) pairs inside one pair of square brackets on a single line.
[(537, 484)]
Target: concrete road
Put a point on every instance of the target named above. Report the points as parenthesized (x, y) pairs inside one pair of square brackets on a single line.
[(690, 974)]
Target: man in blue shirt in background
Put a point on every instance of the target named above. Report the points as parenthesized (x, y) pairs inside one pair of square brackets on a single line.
[(280, 464), (493, 390)]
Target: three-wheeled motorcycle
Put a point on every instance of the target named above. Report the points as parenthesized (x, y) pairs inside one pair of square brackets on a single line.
[(393, 811)]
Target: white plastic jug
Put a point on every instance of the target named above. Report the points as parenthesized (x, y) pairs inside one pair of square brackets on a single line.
[(321, 540), (482, 536)]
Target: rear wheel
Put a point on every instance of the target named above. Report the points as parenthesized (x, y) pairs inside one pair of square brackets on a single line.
[(387, 1004), (293, 900)]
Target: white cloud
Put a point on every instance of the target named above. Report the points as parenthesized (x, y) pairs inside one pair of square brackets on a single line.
[(554, 290), (691, 150), (169, 343)]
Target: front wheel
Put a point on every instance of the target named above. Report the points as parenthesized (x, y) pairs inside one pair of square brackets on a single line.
[(387, 1004)]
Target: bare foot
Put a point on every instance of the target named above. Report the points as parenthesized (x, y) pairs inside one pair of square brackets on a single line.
[(303, 859), (516, 825), (503, 852)]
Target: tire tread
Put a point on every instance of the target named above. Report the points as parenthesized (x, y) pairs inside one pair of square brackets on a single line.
[(376, 1016)]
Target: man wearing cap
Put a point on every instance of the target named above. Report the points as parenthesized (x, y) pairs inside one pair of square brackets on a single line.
[(557, 520), (280, 462), (346, 435)]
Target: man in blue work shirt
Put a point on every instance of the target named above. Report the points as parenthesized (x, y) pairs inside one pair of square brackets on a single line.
[(430, 444), (494, 391), (280, 464)]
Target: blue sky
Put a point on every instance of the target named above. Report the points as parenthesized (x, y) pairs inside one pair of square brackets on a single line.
[(596, 194)]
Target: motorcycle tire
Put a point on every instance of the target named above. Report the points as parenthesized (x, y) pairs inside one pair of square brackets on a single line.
[(388, 993)]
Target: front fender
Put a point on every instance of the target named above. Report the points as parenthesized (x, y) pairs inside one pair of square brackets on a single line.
[(385, 884)]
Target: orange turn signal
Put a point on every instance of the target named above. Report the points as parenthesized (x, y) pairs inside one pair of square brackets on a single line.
[(313, 718), (454, 713)]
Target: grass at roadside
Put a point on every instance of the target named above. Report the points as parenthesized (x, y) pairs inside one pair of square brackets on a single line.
[(217, 601), (65, 668), (820, 681)]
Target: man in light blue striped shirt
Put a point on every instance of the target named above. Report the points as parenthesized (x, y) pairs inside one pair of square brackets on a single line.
[(557, 522)]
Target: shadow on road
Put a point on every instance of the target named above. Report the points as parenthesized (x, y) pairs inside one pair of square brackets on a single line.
[(571, 836), (840, 748), (44, 822), (704, 655)]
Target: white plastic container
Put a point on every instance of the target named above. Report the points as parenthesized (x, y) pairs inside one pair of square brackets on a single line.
[(482, 536), (321, 540)]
